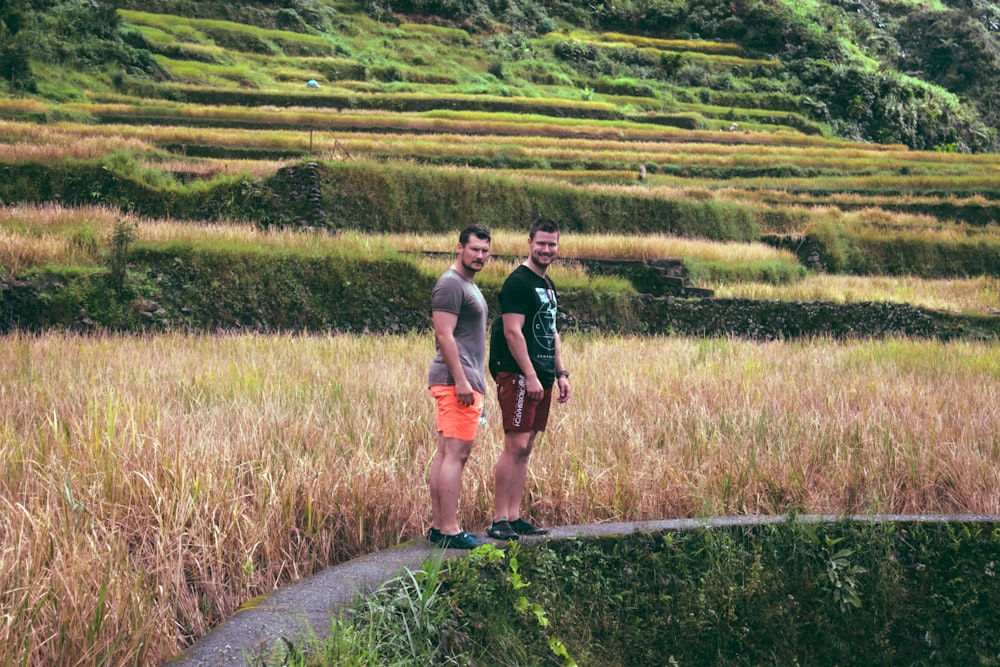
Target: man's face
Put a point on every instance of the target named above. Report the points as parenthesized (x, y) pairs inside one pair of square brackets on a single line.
[(544, 248), (474, 253)]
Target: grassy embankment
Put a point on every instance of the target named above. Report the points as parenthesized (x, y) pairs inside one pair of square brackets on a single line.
[(32, 237), (787, 591)]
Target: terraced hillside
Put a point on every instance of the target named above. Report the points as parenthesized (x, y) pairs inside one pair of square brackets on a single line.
[(397, 118), (824, 171)]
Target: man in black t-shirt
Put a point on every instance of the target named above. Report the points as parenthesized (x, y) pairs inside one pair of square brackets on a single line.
[(525, 361)]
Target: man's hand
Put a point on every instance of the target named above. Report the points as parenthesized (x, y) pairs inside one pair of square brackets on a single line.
[(564, 389), (533, 388), (463, 391)]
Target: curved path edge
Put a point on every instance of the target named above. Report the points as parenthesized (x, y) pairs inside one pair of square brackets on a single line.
[(307, 606)]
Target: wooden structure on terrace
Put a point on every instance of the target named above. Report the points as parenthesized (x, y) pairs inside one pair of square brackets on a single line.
[(656, 277)]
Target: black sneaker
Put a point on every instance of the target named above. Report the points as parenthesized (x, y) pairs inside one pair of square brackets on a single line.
[(434, 535), (502, 530), (522, 527), (462, 540)]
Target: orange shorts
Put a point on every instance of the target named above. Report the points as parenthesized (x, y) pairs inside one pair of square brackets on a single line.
[(455, 420)]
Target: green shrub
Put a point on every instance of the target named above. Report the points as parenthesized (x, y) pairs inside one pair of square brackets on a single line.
[(719, 273), (117, 260), (835, 244), (624, 86), (340, 69)]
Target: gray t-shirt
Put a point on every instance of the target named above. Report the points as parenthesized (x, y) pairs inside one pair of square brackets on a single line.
[(455, 294)]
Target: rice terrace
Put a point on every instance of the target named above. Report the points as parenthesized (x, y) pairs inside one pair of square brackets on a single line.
[(779, 295)]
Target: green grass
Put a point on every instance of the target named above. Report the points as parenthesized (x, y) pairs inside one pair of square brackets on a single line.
[(419, 54), (206, 73), (678, 45), (195, 29)]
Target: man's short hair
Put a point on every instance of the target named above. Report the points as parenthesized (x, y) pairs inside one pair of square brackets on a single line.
[(473, 230), (543, 225)]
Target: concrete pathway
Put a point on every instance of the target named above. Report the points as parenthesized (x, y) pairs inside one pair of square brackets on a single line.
[(304, 606), (309, 605)]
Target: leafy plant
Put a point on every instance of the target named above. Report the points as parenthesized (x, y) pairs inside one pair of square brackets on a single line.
[(843, 575), (407, 621), (523, 605)]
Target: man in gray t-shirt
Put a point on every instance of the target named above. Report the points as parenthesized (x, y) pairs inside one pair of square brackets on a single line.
[(457, 383), (458, 295)]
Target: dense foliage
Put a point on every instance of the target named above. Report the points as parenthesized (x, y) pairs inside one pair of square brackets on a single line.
[(830, 57), (74, 34)]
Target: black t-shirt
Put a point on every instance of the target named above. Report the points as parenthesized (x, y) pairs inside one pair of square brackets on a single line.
[(526, 293)]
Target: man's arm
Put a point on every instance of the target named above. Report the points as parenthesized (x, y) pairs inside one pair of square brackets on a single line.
[(444, 332), (518, 346), (561, 380)]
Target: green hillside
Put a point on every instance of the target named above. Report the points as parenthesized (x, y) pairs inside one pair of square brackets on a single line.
[(888, 72)]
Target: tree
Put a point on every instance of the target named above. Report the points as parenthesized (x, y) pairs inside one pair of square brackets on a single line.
[(15, 67)]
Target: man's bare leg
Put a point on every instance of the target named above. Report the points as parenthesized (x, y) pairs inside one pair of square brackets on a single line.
[(510, 474), (445, 482)]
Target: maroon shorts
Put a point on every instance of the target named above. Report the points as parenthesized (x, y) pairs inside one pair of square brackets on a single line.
[(520, 413)]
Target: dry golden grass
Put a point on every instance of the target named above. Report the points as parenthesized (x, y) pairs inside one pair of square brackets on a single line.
[(50, 223), (18, 253), (151, 485), (31, 236), (188, 476), (61, 141), (969, 295), (61, 146), (566, 275), (456, 134), (606, 246)]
